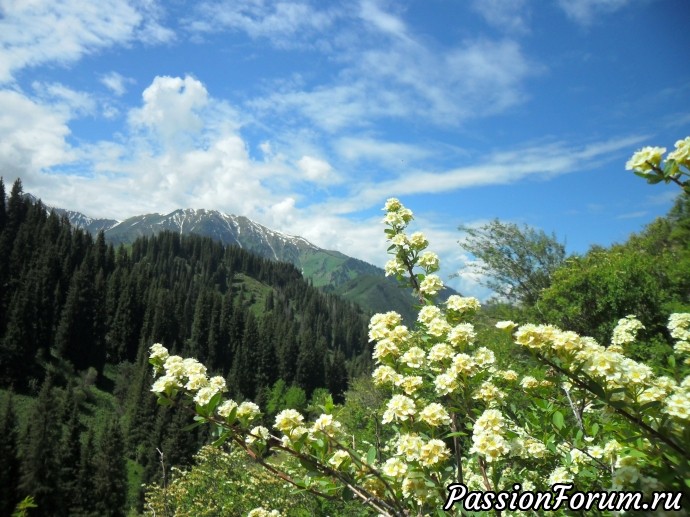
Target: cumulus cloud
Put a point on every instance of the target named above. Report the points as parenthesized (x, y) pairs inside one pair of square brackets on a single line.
[(316, 170), (171, 109), (32, 135)]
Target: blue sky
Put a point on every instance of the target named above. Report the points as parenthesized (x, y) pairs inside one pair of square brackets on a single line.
[(307, 115)]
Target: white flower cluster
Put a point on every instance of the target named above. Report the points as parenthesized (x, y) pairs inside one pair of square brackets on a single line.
[(679, 326), (488, 436), (634, 381), (188, 374), (626, 331)]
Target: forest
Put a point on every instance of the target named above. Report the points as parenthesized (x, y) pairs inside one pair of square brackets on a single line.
[(82, 434), (80, 428)]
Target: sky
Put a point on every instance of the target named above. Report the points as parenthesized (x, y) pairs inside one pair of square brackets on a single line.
[(307, 115)]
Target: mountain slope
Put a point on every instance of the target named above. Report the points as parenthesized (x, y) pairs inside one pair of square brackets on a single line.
[(333, 271)]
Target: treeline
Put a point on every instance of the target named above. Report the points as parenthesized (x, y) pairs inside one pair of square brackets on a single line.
[(72, 307)]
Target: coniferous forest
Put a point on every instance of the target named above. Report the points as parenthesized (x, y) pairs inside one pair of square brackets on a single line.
[(79, 429)]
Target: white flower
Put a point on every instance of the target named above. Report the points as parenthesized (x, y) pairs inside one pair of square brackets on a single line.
[(394, 267), (257, 433), (418, 241), (248, 410), (399, 408), (394, 467), (339, 459), (508, 325), (288, 419), (159, 352), (682, 152), (326, 425), (164, 383), (433, 452), (392, 205), (645, 158), (428, 313), (429, 260), (204, 395), (462, 304), (435, 415), (431, 284), (226, 408)]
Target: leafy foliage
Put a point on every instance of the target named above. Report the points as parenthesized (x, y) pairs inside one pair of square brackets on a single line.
[(518, 262)]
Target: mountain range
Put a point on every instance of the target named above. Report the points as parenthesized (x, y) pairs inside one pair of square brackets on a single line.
[(332, 271)]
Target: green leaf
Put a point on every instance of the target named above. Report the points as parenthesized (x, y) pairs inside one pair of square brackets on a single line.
[(164, 401), (308, 464), (192, 426), (558, 420), (670, 168), (594, 429), (371, 455), (222, 439)]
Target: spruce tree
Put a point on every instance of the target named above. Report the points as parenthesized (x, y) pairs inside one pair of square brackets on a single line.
[(110, 472), (9, 456), (40, 469)]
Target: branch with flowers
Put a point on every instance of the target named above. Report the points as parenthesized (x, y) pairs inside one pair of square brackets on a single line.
[(649, 163), (596, 418)]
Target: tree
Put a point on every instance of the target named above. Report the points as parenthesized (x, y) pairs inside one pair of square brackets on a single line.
[(40, 466), (517, 262), (110, 476), (9, 457)]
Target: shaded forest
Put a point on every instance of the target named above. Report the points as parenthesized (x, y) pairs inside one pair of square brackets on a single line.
[(78, 424)]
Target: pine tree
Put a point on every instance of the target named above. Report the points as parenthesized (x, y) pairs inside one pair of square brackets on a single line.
[(110, 475), (70, 456), (3, 210), (9, 456), (40, 466), (84, 503)]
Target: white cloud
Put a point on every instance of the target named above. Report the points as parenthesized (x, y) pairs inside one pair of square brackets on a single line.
[(585, 12), (506, 15), (172, 109), (401, 78), (32, 135), (381, 20), (61, 97), (499, 168), (357, 149), (116, 83), (285, 24), (317, 170), (44, 31)]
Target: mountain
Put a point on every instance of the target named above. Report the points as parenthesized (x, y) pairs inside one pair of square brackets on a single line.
[(78, 219), (333, 271)]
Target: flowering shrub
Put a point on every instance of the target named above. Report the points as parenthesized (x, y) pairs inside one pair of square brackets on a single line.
[(596, 418), (646, 163)]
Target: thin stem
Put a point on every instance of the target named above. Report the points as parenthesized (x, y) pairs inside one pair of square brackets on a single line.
[(456, 445)]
